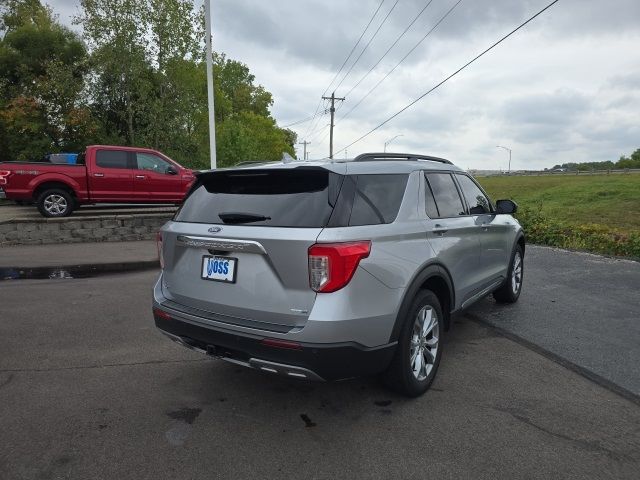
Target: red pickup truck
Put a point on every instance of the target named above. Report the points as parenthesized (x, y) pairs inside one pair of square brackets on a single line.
[(103, 174)]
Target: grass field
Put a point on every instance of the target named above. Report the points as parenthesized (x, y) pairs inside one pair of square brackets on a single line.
[(598, 213), (611, 200)]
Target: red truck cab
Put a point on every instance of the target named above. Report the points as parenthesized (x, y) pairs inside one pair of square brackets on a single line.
[(103, 174)]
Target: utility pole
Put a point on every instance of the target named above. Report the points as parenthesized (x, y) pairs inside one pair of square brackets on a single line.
[(305, 143), (212, 117), (333, 99)]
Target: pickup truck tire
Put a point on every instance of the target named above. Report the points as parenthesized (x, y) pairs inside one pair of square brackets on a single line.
[(419, 348), (55, 202)]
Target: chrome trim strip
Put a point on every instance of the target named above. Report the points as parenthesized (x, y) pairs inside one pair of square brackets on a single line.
[(224, 244), (483, 293), (286, 370), (256, 363)]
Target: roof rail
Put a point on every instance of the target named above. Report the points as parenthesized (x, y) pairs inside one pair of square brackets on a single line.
[(371, 157)]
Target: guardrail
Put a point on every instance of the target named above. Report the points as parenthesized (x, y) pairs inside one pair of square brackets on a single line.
[(624, 171)]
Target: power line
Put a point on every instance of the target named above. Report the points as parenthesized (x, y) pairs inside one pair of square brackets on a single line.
[(300, 121), (354, 47), (317, 134), (367, 45), (452, 75), (415, 19), (401, 60), (332, 108), (309, 130)]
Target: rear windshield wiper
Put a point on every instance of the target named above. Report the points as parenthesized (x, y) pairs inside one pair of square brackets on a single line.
[(240, 217)]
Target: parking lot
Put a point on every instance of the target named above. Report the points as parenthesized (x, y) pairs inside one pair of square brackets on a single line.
[(545, 388)]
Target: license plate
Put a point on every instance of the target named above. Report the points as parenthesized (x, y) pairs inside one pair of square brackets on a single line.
[(219, 269)]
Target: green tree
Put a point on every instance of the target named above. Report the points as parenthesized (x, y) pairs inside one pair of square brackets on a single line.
[(631, 162), (139, 78), (42, 66), (249, 136)]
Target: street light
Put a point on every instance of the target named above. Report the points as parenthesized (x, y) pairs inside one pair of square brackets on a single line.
[(508, 150), (389, 141)]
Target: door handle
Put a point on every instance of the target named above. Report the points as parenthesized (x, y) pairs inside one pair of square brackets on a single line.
[(139, 176), (98, 174), (440, 229)]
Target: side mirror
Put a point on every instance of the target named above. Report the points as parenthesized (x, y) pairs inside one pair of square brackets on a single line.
[(506, 207), (171, 170)]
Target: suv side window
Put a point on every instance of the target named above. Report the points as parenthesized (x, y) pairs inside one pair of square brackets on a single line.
[(445, 193), (377, 198), (476, 200), (112, 159), (150, 162)]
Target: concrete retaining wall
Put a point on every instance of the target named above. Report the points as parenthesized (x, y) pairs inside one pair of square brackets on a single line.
[(104, 228)]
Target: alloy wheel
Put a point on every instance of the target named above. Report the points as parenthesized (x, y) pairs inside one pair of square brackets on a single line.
[(424, 342), (55, 204)]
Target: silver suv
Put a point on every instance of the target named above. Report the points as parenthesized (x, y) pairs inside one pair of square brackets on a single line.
[(334, 269)]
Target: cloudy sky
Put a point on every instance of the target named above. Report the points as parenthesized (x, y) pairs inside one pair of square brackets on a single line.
[(565, 88)]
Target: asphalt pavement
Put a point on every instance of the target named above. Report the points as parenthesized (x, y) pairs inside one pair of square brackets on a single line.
[(581, 308), (89, 389)]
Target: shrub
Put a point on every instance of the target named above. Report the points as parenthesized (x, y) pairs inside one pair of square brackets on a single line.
[(589, 237)]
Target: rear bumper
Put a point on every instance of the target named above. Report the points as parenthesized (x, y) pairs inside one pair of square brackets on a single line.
[(311, 361)]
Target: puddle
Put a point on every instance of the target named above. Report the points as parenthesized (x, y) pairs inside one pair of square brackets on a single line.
[(76, 271)]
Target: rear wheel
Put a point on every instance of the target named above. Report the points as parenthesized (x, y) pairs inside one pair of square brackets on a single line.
[(419, 349), (55, 203), (510, 290)]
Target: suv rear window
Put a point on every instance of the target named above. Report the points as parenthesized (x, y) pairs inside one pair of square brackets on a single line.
[(298, 197), (377, 198), (302, 197)]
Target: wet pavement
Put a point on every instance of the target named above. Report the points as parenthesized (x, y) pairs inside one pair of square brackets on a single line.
[(90, 389), (9, 212), (91, 256)]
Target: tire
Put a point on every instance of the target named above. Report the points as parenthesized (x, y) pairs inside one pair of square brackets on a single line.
[(404, 375), (510, 290), (55, 202)]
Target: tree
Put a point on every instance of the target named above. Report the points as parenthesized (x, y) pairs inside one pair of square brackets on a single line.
[(632, 162), (139, 78), (42, 67)]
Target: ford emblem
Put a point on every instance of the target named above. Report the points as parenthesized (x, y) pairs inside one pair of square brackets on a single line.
[(214, 229)]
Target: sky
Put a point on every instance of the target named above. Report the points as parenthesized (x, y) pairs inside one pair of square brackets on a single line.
[(566, 88)]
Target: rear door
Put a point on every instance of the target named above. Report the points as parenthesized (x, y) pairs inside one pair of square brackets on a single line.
[(453, 234), (258, 224), (111, 178), (156, 179)]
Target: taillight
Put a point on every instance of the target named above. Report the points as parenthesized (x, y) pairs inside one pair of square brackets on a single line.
[(332, 265), (159, 244), (3, 176)]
